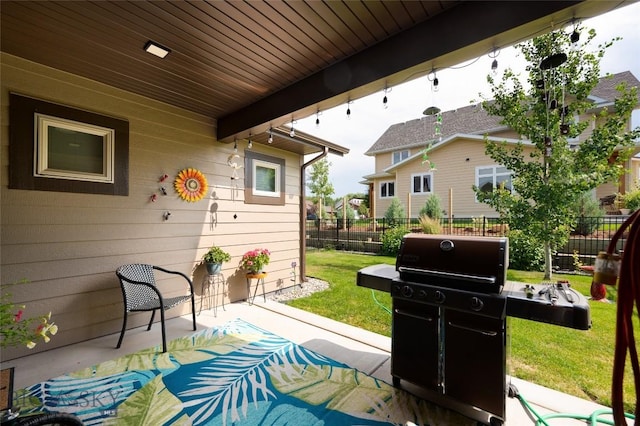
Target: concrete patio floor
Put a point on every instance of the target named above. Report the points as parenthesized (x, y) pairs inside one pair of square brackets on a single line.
[(360, 349)]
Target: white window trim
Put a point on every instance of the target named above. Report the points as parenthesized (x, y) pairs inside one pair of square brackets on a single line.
[(494, 175), (42, 124), (413, 190), (385, 183), (268, 165), (400, 152)]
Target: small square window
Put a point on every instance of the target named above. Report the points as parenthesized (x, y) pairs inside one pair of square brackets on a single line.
[(264, 179)]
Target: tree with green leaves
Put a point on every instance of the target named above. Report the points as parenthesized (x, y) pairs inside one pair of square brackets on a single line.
[(318, 180), (548, 181)]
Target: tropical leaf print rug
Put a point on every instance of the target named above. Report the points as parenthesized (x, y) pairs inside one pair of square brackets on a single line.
[(235, 374)]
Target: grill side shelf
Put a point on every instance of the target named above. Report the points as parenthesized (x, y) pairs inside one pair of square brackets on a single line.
[(377, 277), (573, 314)]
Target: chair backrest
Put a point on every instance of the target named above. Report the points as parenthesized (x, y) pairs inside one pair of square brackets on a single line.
[(136, 294)]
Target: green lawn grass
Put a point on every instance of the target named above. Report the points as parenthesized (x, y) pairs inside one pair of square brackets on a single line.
[(572, 361)]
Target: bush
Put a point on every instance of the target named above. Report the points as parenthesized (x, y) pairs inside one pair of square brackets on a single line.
[(632, 198), (588, 213), (350, 217), (430, 225), (395, 213), (432, 207), (391, 240), (525, 252)]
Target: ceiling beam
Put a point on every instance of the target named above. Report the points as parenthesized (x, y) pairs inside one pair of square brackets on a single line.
[(465, 24)]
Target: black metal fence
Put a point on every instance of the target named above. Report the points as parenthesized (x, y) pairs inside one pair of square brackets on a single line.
[(591, 235)]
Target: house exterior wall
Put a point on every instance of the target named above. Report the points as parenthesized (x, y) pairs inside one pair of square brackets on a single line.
[(452, 180), (68, 245), (456, 164)]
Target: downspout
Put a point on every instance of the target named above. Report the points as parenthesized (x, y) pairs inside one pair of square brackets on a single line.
[(303, 214)]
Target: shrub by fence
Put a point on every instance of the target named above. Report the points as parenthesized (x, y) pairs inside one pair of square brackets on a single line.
[(366, 235)]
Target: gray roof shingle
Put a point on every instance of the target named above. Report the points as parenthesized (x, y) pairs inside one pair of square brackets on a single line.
[(472, 120)]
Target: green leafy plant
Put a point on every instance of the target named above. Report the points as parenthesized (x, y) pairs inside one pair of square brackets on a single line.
[(16, 330), (548, 175), (395, 212), (432, 207), (631, 198), (525, 252), (391, 240), (216, 255), (255, 260), (588, 213)]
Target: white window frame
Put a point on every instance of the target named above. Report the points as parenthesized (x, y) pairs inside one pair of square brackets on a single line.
[(494, 175), (277, 184), (422, 175), (402, 155), (43, 123), (386, 183)]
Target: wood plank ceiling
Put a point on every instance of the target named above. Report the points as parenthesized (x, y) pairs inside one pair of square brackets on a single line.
[(250, 65)]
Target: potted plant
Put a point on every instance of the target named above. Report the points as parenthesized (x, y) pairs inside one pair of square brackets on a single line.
[(255, 260), (214, 259)]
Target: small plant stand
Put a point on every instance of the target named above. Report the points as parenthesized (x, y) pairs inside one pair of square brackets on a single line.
[(259, 277), (217, 283)]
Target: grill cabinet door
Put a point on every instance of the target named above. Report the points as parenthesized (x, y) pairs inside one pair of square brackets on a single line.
[(475, 360), (414, 343)]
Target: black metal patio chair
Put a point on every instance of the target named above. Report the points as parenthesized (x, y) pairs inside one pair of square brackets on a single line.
[(140, 294)]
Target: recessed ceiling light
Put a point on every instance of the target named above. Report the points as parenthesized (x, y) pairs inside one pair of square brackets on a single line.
[(156, 49)]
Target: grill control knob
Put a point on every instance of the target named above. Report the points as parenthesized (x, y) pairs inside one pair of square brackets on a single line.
[(422, 294), (407, 291), (439, 297), (476, 304)]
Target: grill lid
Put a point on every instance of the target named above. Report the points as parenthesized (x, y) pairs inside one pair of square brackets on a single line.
[(466, 263)]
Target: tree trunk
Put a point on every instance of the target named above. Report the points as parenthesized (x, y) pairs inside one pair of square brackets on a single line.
[(547, 261)]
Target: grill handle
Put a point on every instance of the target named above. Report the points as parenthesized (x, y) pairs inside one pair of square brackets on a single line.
[(449, 275), (474, 330), (408, 314)]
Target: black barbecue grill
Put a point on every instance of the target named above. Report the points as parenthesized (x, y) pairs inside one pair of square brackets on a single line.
[(449, 330)]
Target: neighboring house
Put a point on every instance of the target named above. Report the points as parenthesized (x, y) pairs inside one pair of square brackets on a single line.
[(457, 159), (68, 242), (353, 203)]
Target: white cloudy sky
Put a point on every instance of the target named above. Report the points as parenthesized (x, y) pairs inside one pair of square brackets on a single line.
[(458, 87)]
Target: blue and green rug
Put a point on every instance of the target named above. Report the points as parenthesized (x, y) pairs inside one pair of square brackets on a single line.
[(235, 374)]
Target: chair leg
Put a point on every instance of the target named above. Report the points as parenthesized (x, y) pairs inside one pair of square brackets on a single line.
[(124, 328), (164, 337), (153, 315)]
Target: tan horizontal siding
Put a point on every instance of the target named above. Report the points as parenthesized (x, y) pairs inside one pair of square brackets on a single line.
[(69, 245)]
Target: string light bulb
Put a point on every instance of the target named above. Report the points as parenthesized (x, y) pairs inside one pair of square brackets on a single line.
[(318, 113), (235, 146), (349, 102), (292, 133), (385, 100), (250, 144), (494, 63), (575, 35), (270, 140), (433, 78)]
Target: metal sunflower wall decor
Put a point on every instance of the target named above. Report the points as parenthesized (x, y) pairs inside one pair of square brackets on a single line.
[(191, 185)]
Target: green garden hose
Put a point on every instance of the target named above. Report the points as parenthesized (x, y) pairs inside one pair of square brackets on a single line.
[(592, 419), (373, 294)]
